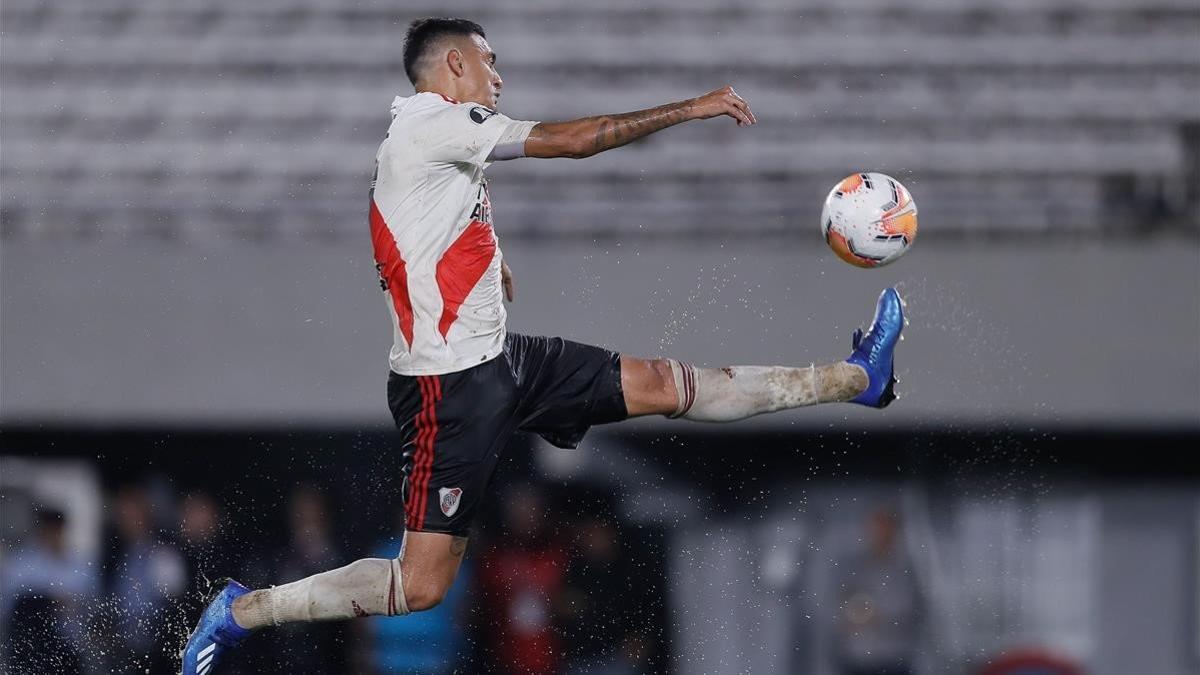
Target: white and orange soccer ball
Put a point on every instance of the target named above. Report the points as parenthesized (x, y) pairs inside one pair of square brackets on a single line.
[(869, 219)]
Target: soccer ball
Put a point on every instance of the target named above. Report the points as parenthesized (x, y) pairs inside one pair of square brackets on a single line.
[(869, 219)]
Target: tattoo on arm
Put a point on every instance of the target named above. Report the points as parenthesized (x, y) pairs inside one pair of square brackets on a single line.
[(458, 546), (600, 133), (613, 131), (589, 135)]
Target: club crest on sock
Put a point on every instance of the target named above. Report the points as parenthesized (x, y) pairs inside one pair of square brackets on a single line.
[(448, 500)]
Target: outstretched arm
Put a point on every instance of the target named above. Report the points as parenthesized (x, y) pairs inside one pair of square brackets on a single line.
[(590, 135)]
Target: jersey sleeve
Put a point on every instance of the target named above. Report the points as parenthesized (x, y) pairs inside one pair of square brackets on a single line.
[(468, 133)]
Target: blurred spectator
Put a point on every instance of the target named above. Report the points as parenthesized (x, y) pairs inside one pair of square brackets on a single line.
[(311, 548), (522, 579), (36, 643), (881, 606), (143, 577), (594, 607), (424, 642), (201, 540), (206, 553), (44, 589)]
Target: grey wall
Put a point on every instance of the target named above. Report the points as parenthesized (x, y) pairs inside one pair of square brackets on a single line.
[(1004, 334), (1149, 571), (775, 578)]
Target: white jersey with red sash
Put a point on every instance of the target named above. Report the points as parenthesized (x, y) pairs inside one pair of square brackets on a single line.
[(431, 228)]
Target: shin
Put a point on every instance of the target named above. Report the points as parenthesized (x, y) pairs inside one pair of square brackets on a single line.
[(367, 587), (737, 392)]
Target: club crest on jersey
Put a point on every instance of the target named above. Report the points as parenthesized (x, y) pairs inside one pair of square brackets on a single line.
[(448, 500), (479, 114)]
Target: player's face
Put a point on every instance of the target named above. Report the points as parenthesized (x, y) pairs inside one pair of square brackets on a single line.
[(479, 72)]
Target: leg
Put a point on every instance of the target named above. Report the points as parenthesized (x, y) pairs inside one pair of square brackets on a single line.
[(668, 387), (369, 587), (446, 476), (430, 564), (452, 427)]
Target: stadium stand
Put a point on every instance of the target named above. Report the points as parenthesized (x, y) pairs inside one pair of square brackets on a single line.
[(259, 119)]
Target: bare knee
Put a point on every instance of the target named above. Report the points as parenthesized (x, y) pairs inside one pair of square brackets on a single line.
[(664, 379), (428, 567), (424, 591), (649, 386), (423, 596)]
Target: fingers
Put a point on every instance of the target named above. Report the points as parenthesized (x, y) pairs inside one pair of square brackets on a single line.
[(725, 101), (738, 113), (741, 105), (735, 106)]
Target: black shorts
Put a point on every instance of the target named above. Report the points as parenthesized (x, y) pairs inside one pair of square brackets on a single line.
[(454, 426)]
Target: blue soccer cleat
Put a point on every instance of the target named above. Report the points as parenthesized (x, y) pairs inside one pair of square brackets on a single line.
[(874, 351), (216, 632)]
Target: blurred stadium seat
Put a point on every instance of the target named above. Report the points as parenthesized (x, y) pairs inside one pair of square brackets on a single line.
[(257, 119)]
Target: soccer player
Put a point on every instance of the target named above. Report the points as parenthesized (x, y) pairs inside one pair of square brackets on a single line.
[(460, 385)]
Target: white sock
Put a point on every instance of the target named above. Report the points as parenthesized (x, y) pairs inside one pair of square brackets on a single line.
[(367, 587), (738, 392)]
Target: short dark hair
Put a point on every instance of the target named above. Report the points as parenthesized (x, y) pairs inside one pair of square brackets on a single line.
[(423, 33)]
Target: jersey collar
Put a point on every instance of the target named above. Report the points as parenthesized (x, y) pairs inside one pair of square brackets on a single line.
[(398, 102)]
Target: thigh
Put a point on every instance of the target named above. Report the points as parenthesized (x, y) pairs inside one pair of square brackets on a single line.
[(565, 387), (452, 427)]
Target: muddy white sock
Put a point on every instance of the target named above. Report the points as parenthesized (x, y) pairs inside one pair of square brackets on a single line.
[(738, 392), (367, 587)]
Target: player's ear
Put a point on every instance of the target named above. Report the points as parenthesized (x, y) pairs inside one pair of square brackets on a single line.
[(454, 59)]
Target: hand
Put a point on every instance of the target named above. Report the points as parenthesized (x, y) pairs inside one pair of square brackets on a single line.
[(506, 279), (723, 101)]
